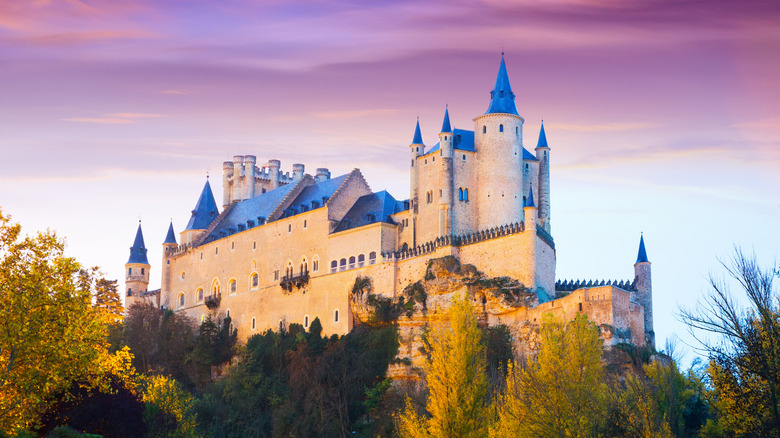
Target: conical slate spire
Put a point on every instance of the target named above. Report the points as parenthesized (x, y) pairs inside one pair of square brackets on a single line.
[(502, 99), (530, 201), (642, 256), (417, 134), (171, 237), (446, 127), (205, 210), (138, 250), (542, 143)]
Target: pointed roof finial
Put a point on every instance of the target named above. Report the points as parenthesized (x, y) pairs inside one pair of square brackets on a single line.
[(205, 210), (171, 236), (445, 126), (530, 200), (502, 99), (417, 133), (642, 255), (138, 250), (542, 143)]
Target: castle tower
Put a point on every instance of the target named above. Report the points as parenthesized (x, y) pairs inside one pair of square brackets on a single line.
[(169, 247), (446, 143), (644, 290), (543, 155), (531, 276), (239, 174), (273, 172), (417, 148), (248, 181), (298, 171), (227, 183), (136, 270), (498, 140), (204, 213)]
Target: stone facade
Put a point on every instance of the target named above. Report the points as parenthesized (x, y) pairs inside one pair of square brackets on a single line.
[(287, 247)]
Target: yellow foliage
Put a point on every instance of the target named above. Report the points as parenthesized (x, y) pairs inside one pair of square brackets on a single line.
[(561, 391), (457, 383), (169, 397)]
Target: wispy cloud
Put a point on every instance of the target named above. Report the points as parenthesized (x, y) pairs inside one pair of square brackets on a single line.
[(628, 126), (102, 120), (353, 114), (175, 92), (115, 118)]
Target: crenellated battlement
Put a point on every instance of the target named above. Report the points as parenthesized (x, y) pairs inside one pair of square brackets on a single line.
[(572, 285)]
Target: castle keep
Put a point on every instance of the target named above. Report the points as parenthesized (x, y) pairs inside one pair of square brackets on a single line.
[(287, 247)]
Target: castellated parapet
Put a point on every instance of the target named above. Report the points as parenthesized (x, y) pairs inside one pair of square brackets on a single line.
[(287, 247)]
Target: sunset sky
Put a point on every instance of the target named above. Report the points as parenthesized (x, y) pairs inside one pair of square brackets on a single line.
[(663, 116)]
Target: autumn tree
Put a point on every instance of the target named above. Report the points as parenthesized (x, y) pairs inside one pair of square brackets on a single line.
[(744, 367), (561, 391), (457, 382), (50, 334)]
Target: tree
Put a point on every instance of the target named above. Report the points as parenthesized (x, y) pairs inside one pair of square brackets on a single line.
[(457, 382), (561, 392), (50, 333), (744, 367), (107, 297)]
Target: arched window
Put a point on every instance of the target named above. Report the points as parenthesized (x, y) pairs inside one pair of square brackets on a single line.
[(517, 130), (254, 280), (129, 271), (232, 286), (336, 316), (227, 313), (306, 321), (484, 129), (254, 325), (199, 295), (500, 128), (333, 266), (315, 264), (460, 194), (342, 264), (361, 260), (288, 271), (143, 271), (304, 266), (352, 262), (129, 292), (215, 289), (466, 195), (181, 300), (371, 257), (276, 273)]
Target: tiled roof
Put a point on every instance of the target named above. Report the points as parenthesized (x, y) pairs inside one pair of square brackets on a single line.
[(205, 210), (368, 209), (138, 250)]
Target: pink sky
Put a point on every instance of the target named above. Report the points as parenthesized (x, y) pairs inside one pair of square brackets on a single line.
[(662, 116)]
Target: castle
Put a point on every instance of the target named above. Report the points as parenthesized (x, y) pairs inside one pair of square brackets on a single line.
[(287, 247)]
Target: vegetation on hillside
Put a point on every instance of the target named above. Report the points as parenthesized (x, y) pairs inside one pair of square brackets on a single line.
[(71, 366)]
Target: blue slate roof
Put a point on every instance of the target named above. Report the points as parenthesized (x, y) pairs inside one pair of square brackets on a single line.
[(445, 126), (251, 212), (138, 250), (529, 202), (464, 141), (315, 194), (205, 210), (502, 99), (417, 134), (368, 209), (642, 255), (542, 143), (171, 236)]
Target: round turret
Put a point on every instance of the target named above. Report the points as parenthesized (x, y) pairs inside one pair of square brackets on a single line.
[(249, 180), (238, 177), (323, 174), (297, 172), (273, 172), (498, 141), (227, 182)]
